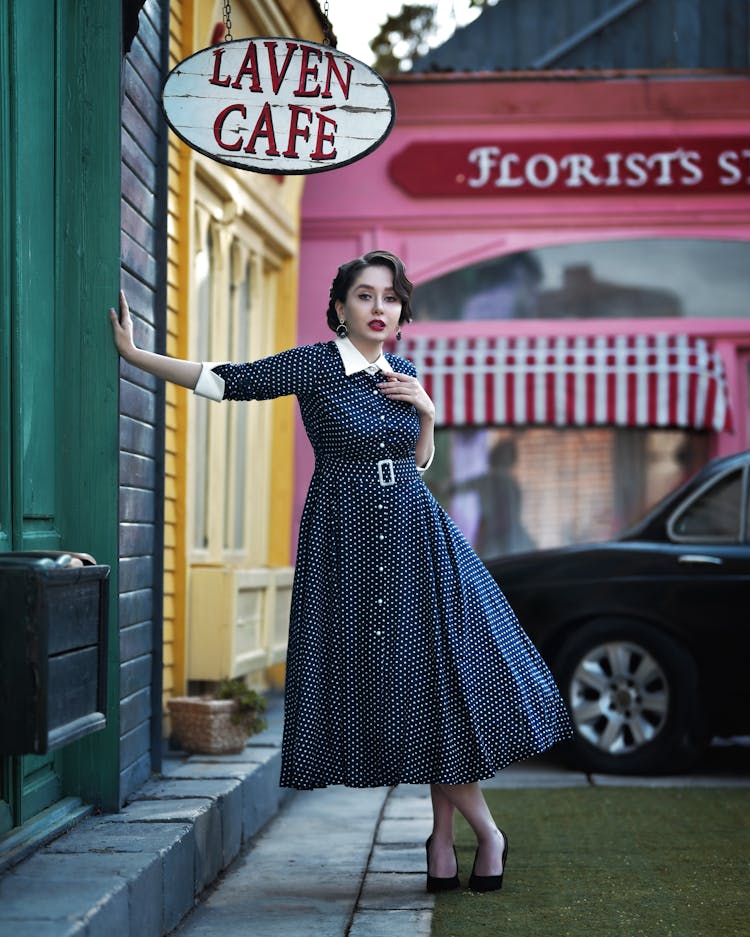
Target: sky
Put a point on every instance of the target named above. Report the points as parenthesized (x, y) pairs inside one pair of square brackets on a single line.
[(356, 22)]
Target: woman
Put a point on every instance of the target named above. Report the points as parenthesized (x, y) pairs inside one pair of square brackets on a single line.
[(405, 662)]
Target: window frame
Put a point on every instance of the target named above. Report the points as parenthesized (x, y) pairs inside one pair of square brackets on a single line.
[(742, 520), (238, 249)]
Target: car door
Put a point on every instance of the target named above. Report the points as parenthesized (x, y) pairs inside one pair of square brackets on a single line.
[(708, 536)]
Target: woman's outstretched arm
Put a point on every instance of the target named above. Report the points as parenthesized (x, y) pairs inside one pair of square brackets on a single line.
[(184, 373)]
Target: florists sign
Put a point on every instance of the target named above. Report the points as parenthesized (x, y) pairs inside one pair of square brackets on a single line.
[(278, 105), (653, 165)]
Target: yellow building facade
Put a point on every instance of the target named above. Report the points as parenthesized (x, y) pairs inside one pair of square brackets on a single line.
[(232, 295)]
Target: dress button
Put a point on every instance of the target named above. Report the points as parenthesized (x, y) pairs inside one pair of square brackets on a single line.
[(378, 634), (380, 506), (375, 392), (380, 569), (382, 445), (380, 601), (381, 537), (382, 418)]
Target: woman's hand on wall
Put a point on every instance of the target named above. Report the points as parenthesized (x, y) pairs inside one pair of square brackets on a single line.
[(184, 373), (122, 329)]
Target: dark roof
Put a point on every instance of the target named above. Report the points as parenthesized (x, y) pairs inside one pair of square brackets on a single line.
[(599, 34)]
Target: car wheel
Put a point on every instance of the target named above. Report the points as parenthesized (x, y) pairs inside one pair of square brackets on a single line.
[(632, 695)]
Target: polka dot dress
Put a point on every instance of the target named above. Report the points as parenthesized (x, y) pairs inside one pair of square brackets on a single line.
[(406, 663)]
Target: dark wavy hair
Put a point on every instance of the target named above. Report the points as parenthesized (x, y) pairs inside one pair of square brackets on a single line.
[(402, 285)]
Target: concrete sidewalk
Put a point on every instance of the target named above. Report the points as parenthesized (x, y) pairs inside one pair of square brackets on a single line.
[(335, 862), (219, 833)]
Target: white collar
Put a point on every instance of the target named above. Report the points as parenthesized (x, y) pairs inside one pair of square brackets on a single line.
[(354, 361)]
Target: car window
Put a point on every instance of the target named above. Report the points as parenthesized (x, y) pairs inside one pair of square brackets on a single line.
[(714, 514)]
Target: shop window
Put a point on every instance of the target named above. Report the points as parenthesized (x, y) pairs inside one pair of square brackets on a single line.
[(233, 300), (203, 270), (235, 465), (511, 490), (714, 515), (648, 278)]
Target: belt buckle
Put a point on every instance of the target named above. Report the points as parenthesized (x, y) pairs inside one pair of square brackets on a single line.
[(386, 480)]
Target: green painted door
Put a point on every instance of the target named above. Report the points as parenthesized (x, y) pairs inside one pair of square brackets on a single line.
[(31, 783), (6, 533), (59, 268)]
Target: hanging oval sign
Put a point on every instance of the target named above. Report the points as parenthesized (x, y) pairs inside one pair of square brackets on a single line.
[(278, 105)]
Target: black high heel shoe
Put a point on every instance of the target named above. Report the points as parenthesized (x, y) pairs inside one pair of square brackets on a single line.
[(488, 882), (435, 884)]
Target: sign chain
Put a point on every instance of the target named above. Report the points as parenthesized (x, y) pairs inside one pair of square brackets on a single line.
[(327, 33), (228, 21)]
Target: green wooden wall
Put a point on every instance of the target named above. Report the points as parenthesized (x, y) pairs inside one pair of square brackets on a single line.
[(59, 273)]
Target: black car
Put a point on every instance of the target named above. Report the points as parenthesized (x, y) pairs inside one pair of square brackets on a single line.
[(648, 635)]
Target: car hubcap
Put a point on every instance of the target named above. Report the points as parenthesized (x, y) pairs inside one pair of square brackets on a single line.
[(619, 697)]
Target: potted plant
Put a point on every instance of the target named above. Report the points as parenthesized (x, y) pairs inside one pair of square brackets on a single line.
[(220, 723)]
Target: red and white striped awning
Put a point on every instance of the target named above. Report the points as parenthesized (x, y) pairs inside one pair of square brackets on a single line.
[(611, 380)]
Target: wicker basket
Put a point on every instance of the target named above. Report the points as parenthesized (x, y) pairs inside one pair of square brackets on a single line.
[(205, 726)]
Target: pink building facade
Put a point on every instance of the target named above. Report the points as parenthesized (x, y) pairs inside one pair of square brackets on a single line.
[(580, 248)]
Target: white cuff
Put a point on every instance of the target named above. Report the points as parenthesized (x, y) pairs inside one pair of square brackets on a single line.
[(423, 468), (209, 384)]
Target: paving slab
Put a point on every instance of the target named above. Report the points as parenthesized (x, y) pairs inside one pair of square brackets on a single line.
[(173, 843), (408, 808), (404, 829), (391, 924), (175, 798), (27, 928), (99, 903), (411, 792), (101, 835), (536, 772), (202, 816), (142, 872), (246, 755), (272, 735), (263, 798), (213, 788), (197, 770), (531, 779), (398, 858), (391, 891), (677, 780), (161, 811), (67, 867)]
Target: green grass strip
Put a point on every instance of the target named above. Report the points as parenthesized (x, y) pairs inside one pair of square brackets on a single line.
[(610, 862)]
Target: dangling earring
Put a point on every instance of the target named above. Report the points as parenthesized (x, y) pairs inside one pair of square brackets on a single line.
[(398, 335), (341, 330)]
